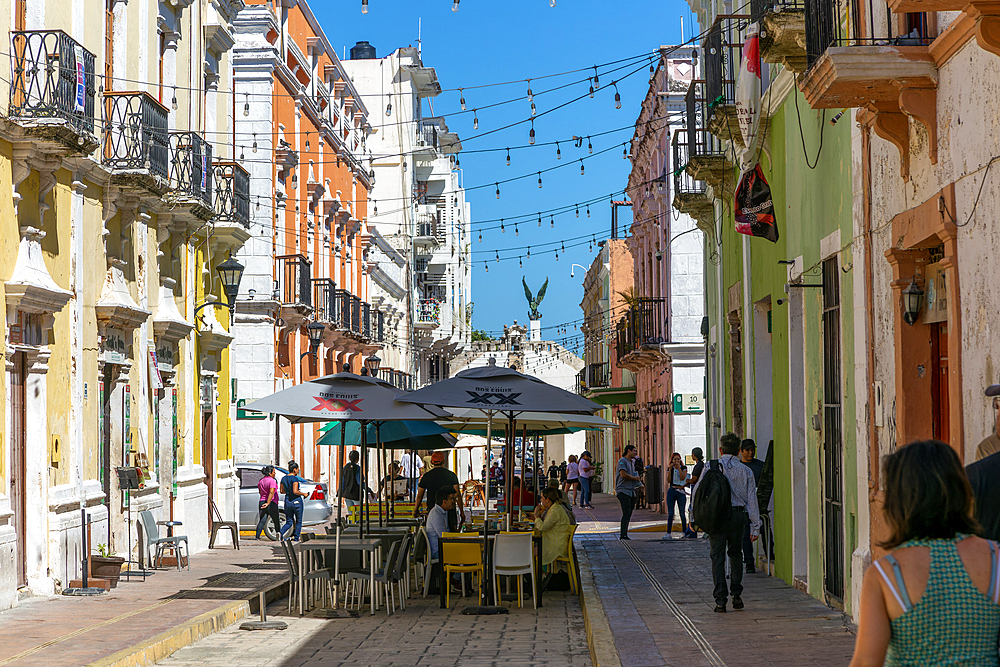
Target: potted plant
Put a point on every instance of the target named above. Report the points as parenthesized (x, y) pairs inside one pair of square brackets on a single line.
[(596, 483), (106, 566)]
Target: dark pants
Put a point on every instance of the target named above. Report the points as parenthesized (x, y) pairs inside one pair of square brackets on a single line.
[(728, 542), (627, 502), (678, 497), (293, 520), (268, 511), (748, 558)]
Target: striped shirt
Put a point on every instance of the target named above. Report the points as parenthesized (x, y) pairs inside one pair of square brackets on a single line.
[(742, 487)]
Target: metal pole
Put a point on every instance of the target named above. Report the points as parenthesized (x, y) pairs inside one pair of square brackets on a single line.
[(381, 462), (85, 526)]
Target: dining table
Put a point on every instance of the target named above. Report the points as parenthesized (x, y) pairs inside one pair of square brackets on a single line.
[(536, 539), (321, 542)]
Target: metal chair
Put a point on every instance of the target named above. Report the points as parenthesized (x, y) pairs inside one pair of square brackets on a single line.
[(570, 561), (218, 524), (422, 560), (383, 578), (158, 543), (292, 562), (513, 557)]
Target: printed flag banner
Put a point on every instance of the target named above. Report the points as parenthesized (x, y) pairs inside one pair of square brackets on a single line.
[(748, 95), (754, 206), (80, 99)]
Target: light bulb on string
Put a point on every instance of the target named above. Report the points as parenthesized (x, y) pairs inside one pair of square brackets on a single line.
[(254, 142), (454, 7), (486, 265), (508, 157), (502, 230), (388, 107), (590, 147), (480, 237), (498, 190), (596, 79), (529, 252), (532, 108), (258, 203), (246, 105), (242, 155), (173, 102), (581, 168), (588, 210), (557, 255), (552, 222), (530, 95), (558, 151), (364, 6), (531, 134), (475, 120), (562, 247), (539, 179), (498, 255), (307, 142), (552, 3), (516, 232), (624, 151), (519, 263), (539, 219), (578, 210), (462, 98), (618, 97), (374, 207), (591, 89)]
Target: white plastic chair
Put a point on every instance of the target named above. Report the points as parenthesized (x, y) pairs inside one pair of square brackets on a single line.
[(512, 556), (422, 560)]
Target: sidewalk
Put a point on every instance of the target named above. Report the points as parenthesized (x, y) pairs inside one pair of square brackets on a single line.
[(656, 595), (171, 608)]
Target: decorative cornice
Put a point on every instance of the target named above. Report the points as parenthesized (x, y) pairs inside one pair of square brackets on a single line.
[(31, 287), (169, 324), (116, 308)]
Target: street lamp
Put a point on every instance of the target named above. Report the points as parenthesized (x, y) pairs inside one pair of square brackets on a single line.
[(231, 272), (315, 332), (913, 296), (575, 265), (372, 363)]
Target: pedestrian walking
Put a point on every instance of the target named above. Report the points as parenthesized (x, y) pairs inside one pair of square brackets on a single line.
[(554, 471), (725, 499), (748, 457), (984, 476), (933, 599), (268, 488), (562, 474), (586, 472), (676, 494), (411, 465), (293, 502), (991, 444), (572, 478), (350, 482), (626, 485), (699, 457)]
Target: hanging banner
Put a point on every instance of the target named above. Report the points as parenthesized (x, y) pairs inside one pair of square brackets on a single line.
[(754, 210), (81, 81)]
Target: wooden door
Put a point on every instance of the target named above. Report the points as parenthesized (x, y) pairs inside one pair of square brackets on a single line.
[(208, 456), (18, 486), (940, 384)]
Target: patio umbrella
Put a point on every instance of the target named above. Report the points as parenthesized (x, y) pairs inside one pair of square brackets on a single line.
[(495, 390), (345, 397), (390, 432)]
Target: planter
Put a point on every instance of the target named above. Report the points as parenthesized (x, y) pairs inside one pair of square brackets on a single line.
[(107, 567), (596, 486)]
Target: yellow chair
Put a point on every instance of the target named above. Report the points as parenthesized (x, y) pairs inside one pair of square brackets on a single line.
[(459, 556), (570, 561)]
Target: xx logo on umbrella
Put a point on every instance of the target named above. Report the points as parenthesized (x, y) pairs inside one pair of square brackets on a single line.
[(487, 398), (337, 404)]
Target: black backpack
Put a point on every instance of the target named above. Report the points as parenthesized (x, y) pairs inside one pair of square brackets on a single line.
[(713, 501)]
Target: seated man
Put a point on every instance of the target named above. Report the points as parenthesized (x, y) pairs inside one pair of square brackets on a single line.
[(437, 519), (521, 495)]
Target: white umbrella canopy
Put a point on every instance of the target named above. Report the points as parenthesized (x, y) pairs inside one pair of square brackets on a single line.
[(471, 420), (343, 396)]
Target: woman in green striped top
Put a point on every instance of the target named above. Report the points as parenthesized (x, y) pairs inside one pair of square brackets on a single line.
[(933, 600)]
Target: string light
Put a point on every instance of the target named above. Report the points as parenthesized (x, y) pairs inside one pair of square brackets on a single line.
[(364, 6), (539, 219), (498, 190), (519, 264), (552, 3), (539, 179), (242, 155), (531, 135), (254, 142), (557, 255), (462, 98), (590, 147), (558, 151), (246, 105), (173, 102), (374, 207), (487, 266), (475, 120), (502, 230), (531, 97), (480, 237), (498, 255), (588, 210), (624, 151), (578, 210), (532, 108), (581, 168), (552, 222), (454, 7), (529, 252), (388, 107), (508, 157), (618, 97), (591, 89)]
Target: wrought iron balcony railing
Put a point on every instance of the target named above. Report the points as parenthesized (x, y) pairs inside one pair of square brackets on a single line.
[(684, 183), (643, 324), (379, 326), (366, 319), (191, 167), (761, 8), (355, 314), (343, 313), (867, 23), (294, 280), (325, 300), (232, 193), (52, 77), (599, 375), (135, 134), (723, 49), (699, 140), (428, 311)]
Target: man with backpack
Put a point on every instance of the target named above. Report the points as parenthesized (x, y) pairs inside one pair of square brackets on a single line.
[(350, 481), (725, 499)]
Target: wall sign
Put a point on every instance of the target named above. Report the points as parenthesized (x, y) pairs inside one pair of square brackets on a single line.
[(689, 403), (936, 288), (113, 347)]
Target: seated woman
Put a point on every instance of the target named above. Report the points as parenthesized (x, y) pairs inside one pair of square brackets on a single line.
[(394, 484), (552, 520)]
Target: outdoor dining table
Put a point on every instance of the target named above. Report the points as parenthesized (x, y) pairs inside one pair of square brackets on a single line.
[(536, 540), (370, 545)]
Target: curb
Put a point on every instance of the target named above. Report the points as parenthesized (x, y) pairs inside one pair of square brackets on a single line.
[(165, 643), (599, 638)]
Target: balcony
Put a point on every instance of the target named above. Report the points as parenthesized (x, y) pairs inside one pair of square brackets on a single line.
[(429, 228), (232, 201), (706, 155), (398, 379), (324, 300), (690, 195), (294, 288), (191, 174), (782, 32), (136, 142), (599, 375), (640, 332), (51, 91), (366, 320), (876, 61), (378, 326), (723, 49), (428, 313)]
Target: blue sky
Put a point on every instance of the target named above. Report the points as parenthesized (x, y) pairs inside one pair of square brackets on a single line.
[(488, 42)]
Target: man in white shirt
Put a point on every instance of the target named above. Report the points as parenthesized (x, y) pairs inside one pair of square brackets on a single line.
[(411, 466)]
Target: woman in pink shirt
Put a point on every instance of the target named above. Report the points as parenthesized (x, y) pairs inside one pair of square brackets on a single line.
[(268, 487)]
